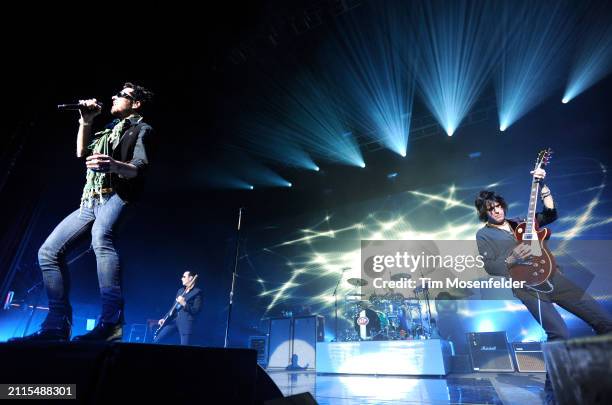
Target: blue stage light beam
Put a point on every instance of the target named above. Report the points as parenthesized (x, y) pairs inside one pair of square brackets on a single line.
[(317, 122), (594, 59), (224, 179), (255, 173), (457, 44), (262, 137), (535, 44), (304, 115), (369, 61)]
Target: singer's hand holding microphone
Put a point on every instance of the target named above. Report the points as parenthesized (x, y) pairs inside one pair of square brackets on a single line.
[(89, 109)]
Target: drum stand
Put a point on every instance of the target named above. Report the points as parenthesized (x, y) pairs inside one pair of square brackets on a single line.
[(336, 304), (426, 332), (336, 307)]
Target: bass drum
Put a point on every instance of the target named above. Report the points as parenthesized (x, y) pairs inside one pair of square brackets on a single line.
[(371, 325)]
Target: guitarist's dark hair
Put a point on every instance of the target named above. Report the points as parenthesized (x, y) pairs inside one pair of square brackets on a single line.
[(191, 273), (481, 203)]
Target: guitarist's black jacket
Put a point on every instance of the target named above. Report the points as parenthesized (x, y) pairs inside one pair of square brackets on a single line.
[(186, 315), (495, 244)]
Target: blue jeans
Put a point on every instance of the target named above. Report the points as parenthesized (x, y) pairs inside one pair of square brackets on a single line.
[(570, 297), (102, 221)]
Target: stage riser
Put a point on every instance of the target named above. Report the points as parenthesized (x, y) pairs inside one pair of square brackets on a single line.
[(400, 357)]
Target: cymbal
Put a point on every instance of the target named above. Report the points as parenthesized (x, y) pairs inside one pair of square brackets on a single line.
[(357, 282), (399, 276)]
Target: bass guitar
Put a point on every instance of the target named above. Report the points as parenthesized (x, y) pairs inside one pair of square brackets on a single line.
[(174, 308)]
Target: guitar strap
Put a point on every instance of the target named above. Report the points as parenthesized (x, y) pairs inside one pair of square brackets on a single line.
[(551, 288)]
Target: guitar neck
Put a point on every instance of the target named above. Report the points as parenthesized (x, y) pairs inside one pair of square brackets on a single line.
[(183, 294), (531, 211), (176, 304), (542, 160)]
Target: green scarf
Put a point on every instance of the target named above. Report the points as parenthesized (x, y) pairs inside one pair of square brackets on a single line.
[(104, 142)]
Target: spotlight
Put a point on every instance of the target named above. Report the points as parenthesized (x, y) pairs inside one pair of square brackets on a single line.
[(503, 127), (251, 187), (289, 185), (392, 175), (316, 168), (565, 100)]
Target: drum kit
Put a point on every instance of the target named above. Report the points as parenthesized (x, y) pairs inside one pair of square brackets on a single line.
[(389, 316)]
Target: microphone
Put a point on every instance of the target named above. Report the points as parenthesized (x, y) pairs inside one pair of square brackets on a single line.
[(75, 107)]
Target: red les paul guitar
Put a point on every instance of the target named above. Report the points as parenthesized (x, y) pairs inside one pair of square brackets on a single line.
[(536, 269)]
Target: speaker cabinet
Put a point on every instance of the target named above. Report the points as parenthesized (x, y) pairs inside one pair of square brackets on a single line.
[(489, 351), (293, 341), (260, 343), (529, 357)]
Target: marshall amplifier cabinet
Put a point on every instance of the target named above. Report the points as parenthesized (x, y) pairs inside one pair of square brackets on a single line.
[(529, 357), (489, 351)]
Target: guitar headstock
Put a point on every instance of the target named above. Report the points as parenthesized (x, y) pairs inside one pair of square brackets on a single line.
[(544, 157), (192, 283)]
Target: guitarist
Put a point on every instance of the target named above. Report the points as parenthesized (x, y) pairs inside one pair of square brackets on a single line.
[(189, 300), (500, 249)]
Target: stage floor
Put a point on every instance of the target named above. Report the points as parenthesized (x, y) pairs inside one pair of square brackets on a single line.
[(479, 388)]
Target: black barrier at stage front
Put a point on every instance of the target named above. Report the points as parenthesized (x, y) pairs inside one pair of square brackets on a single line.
[(580, 370), (109, 373)]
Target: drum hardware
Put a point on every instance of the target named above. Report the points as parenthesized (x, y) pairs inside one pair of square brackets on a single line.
[(357, 282), (400, 276)]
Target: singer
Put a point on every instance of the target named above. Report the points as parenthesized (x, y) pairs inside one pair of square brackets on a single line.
[(116, 159)]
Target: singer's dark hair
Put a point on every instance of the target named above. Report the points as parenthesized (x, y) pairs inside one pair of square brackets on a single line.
[(192, 273), (140, 93), (484, 200)]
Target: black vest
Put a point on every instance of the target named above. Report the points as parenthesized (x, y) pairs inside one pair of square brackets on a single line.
[(134, 147)]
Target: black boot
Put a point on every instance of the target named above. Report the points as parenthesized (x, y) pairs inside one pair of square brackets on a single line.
[(103, 332), (45, 335)]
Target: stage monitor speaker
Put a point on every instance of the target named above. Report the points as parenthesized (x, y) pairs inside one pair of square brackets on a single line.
[(279, 343), (580, 369), (489, 351), (529, 357), (260, 343)]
